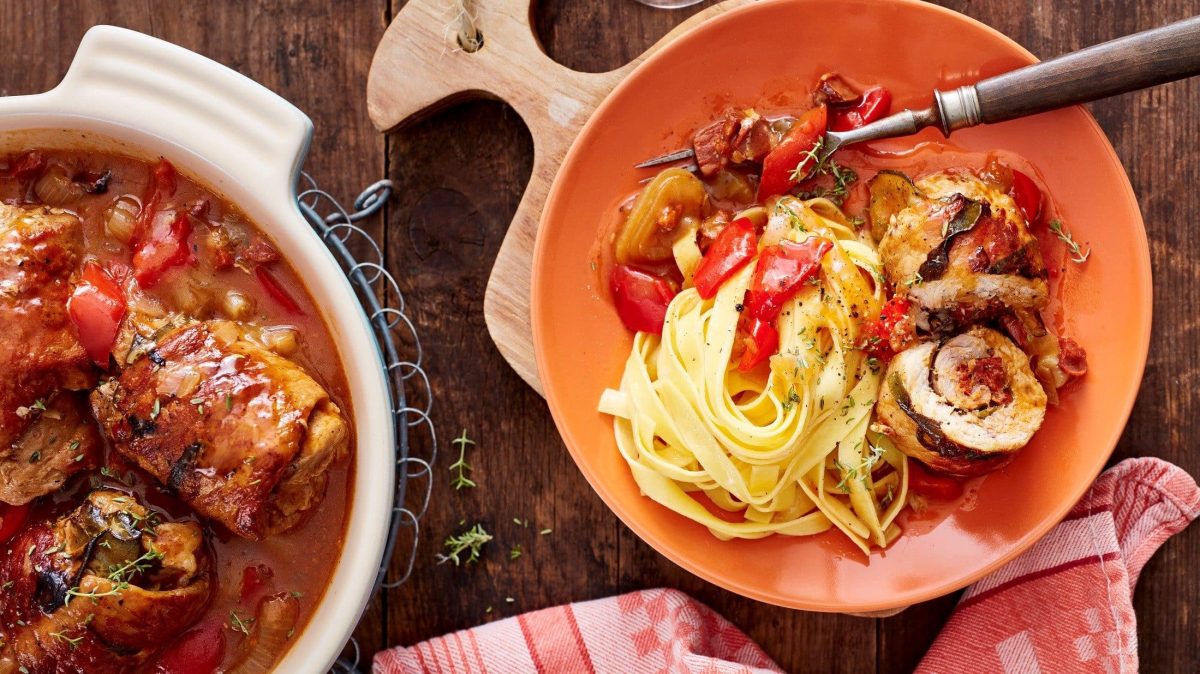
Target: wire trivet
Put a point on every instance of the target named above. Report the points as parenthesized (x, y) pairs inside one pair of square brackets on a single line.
[(385, 309)]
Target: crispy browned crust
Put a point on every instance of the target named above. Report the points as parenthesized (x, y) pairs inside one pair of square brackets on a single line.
[(246, 443)]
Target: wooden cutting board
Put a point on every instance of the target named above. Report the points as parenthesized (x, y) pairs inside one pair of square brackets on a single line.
[(420, 68)]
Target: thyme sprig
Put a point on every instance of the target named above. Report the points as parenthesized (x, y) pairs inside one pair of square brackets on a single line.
[(469, 543), (823, 164), (1078, 255), (96, 596), (240, 624), (461, 480), (859, 472), (72, 642), (126, 572)]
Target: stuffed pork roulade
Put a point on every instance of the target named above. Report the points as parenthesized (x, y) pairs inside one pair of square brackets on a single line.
[(962, 406), (957, 246), (242, 435), (100, 589)]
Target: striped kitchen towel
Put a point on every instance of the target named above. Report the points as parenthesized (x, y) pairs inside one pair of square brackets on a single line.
[(1063, 606), (1066, 605)]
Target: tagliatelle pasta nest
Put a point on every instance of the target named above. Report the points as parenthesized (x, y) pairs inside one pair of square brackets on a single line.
[(787, 454)]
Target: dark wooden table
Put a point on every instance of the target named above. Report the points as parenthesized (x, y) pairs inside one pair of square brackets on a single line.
[(460, 176)]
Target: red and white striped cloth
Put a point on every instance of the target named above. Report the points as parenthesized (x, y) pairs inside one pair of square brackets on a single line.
[(1064, 605)]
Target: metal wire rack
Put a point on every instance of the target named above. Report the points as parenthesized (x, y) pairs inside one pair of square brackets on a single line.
[(395, 335)]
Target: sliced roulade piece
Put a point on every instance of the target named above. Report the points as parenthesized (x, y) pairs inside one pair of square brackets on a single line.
[(100, 589), (957, 246), (962, 406), (241, 434)]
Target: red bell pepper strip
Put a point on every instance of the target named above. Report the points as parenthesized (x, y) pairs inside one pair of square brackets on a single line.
[(780, 271), (929, 485), (641, 298), (164, 246), (733, 248), (762, 343), (875, 103), (277, 291), (792, 159), (96, 308), (162, 187), (1028, 197), (11, 519)]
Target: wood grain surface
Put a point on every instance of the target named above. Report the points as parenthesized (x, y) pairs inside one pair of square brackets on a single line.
[(461, 174)]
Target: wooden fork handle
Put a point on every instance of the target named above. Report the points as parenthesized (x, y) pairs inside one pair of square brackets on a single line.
[(1133, 62)]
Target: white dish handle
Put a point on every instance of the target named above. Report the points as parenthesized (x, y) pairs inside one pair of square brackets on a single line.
[(134, 80)]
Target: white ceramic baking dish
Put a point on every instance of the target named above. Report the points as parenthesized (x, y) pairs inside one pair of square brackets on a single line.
[(132, 93)]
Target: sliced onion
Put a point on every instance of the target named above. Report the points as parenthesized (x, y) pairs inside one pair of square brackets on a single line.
[(56, 188), (274, 626), (120, 218), (282, 340), (237, 305), (225, 332), (192, 298)]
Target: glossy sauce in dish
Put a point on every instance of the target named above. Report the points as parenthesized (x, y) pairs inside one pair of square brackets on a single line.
[(230, 271)]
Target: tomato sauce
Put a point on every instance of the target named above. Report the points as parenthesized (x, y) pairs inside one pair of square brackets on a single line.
[(300, 561)]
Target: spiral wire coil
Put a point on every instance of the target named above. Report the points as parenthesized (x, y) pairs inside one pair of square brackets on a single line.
[(383, 304)]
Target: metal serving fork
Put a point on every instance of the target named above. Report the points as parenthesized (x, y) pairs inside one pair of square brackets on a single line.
[(1125, 64)]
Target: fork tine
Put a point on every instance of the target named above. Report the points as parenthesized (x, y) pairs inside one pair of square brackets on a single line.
[(689, 167), (677, 155)]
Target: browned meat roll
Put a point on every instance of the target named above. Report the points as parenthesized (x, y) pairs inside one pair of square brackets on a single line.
[(41, 359), (957, 247), (241, 434), (962, 406), (100, 589)]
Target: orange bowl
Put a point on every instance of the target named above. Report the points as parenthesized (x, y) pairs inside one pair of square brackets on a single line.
[(768, 54)]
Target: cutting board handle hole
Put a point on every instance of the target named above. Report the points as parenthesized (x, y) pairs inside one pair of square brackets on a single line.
[(469, 38), (472, 44)]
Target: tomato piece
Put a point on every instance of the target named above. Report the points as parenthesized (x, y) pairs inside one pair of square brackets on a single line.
[(96, 308), (277, 292), (254, 580), (197, 651), (761, 344), (878, 333), (641, 298), (1028, 197), (931, 485), (733, 248), (791, 160), (164, 247), (29, 167), (874, 104), (11, 519), (780, 271)]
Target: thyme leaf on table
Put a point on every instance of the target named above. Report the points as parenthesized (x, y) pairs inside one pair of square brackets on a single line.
[(469, 544), (460, 479)]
